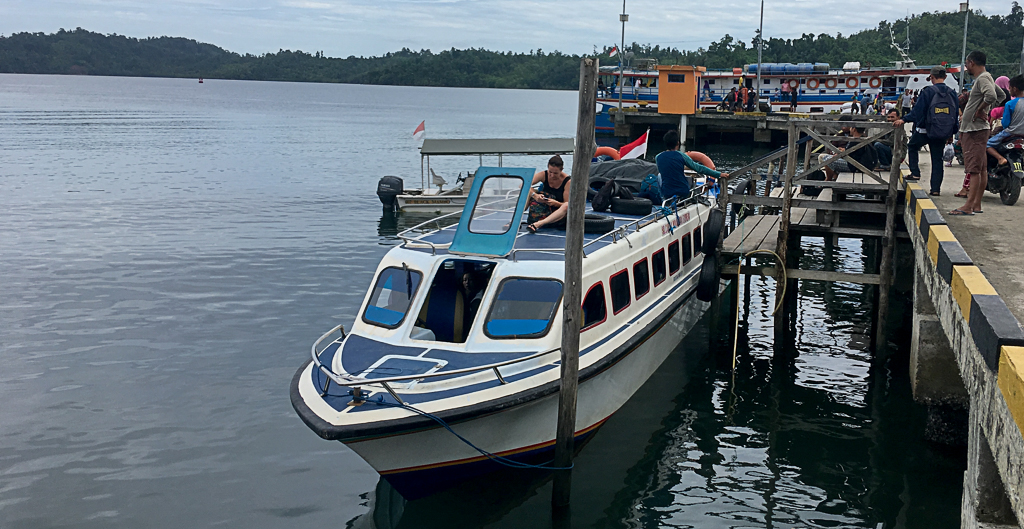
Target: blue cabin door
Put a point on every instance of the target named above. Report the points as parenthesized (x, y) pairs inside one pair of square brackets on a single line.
[(494, 208)]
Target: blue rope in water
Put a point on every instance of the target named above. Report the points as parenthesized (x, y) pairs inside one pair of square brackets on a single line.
[(493, 457)]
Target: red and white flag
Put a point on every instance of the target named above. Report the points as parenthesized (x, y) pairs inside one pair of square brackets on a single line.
[(614, 52), (421, 130), (636, 149)]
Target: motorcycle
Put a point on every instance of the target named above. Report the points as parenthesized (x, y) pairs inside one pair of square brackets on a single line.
[(1006, 180)]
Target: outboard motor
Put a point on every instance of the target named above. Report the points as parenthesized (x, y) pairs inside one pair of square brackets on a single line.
[(388, 189)]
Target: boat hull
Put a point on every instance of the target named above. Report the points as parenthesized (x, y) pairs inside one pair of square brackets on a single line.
[(422, 462)]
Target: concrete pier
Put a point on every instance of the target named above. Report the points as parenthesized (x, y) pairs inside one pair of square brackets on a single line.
[(983, 334)]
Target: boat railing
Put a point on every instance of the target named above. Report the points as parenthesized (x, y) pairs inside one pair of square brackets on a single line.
[(355, 382)]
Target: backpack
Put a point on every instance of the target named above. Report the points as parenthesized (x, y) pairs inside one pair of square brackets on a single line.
[(603, 199), (941, 120), (650, 187)]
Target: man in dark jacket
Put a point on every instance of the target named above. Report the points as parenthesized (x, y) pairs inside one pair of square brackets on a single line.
[(919, 117)]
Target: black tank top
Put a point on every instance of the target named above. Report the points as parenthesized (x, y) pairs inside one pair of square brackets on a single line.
[(555, 193)]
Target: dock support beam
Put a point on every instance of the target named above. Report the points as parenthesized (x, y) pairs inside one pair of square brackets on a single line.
[(899, 141), (573, 286), (783, 242)]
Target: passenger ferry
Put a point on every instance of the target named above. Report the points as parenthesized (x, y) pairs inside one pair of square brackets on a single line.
[(452, 366), (822, 89)]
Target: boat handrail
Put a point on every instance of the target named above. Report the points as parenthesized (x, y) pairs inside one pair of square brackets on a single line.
[(353, 381)]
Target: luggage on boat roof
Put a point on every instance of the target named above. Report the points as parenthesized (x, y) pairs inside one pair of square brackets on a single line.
[(628, 173)]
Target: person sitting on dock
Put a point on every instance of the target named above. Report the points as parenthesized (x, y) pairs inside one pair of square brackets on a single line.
[(866, 156), (672, 164), (553, 195)]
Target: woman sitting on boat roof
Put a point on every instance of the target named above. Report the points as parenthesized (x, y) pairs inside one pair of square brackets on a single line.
[(551, 203)]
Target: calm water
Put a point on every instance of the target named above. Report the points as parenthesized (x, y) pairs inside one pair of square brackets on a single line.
[(169, 250)]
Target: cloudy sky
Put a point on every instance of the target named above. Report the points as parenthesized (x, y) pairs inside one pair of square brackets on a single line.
[(372, 27)]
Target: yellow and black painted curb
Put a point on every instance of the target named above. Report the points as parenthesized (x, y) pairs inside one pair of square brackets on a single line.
[(994, 329)]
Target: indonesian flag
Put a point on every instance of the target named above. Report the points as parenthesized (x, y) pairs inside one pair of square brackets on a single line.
[(636, 149), (614, 52), (421, 129)]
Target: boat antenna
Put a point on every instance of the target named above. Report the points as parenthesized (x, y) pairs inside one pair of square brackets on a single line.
[(622, 51), (905, 60)]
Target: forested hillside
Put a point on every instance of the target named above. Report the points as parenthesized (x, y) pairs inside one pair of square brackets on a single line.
[(934, 37)]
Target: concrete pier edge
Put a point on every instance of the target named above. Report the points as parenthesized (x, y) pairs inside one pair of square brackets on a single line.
[(988, 342)]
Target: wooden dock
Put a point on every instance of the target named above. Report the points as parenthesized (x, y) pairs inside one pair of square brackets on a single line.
[(771, 219)]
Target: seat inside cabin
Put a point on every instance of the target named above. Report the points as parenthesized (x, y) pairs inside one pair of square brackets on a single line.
[(453, 301)]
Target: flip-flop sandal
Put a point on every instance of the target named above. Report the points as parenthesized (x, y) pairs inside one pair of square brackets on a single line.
[(959, 195), (531, 228), (935, 194), (961, 213), (978, 211)]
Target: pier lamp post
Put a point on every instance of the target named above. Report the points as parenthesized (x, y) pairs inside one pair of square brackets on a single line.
[(760, 45), (965, 8), (622, 50)]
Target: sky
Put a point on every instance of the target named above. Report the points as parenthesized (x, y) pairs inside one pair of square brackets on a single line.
[(341, 28)]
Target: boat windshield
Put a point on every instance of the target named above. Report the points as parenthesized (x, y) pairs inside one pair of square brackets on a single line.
[(495, 206), (523, 308), (390, 298)]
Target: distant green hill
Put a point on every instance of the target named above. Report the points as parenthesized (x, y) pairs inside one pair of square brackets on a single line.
[(935, 37)]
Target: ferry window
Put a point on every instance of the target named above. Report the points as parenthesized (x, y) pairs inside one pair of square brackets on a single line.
[(687, 250), (658, 264), (711, 81), (495, 210), (864, 80), (821, 91), (767, 81), (676, 78), (673, 257), (841, 91), (736, 81), (641, 278), (523, 308), (698, 240), (389, 300), (619, 285), (594, 311), (453, 301)]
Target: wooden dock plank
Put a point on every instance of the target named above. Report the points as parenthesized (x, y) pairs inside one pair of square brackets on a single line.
[(751, 233)]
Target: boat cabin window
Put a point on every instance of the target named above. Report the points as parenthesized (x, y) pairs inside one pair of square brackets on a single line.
[(673, 257), (619, 285), (687, 249), (453, 301), (641, 278), (495, 207), (389, 300), (523, 308), (658, 264), (698, 239), (594, 312)]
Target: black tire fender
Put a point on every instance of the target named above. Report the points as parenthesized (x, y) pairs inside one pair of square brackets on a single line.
[(593, 223), (708, 280), (712, 231), (634, 206)]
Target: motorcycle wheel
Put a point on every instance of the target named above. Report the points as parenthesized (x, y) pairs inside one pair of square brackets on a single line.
[(1011, 191)]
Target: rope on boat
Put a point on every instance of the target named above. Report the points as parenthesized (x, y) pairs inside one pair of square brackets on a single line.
[(493, 457)]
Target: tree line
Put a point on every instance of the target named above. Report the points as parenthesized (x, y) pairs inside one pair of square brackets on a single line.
[(934, 38)]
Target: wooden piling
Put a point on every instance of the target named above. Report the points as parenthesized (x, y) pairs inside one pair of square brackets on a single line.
[(573, 283), (899, 150), (783, 242)]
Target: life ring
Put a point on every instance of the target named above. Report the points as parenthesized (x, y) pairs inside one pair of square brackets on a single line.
[(813, 84), (793, 83), (701, 158), (607, 151), (875, 82), (830, 83), (851, 82)]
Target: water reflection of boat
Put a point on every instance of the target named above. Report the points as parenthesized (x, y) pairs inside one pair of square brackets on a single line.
[(431, 197), (459, 327)]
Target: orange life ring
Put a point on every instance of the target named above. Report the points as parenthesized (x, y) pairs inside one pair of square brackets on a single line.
[(607, 151), (875, 82), (793, 83), (851, 82), (813, 84), (830, 83), (701, 158)]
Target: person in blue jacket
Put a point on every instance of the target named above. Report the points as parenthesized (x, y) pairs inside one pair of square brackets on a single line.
[(919, 117), (671, 164)]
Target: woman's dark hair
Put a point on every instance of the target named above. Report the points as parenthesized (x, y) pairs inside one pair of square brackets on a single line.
[(671, 139), (847, 117), (556, 161)]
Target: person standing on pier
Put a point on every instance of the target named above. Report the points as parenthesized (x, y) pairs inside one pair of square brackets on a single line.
[(935, 121), (974, 131), (672, 164), (906, 102)]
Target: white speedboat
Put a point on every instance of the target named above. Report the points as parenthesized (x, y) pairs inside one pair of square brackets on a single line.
[(431, 198), (460, 333)]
